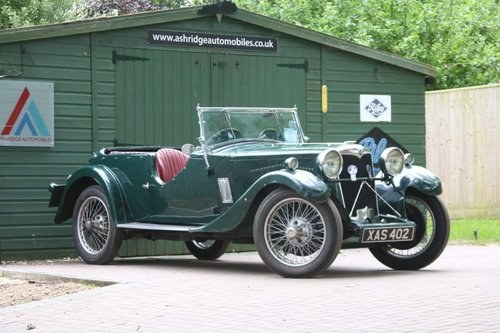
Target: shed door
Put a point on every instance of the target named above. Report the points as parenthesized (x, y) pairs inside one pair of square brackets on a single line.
[(157, 91), (258, 81), (156, 96)]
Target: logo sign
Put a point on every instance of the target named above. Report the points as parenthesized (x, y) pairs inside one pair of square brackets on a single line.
[(375, 108), (26, 113), (198, 39), (376, 141), (353, 171)]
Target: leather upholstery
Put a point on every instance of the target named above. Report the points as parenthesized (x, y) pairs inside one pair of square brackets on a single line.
[(169, 162)]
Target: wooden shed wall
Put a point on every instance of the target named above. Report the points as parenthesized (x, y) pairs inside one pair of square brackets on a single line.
[(26, 226), (87, 109)]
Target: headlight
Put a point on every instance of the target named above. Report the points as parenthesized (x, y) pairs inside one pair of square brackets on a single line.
[(392, 161), (292, 163), (330, 163)]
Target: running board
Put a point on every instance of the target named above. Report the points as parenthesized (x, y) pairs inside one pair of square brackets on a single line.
[(157, 227)]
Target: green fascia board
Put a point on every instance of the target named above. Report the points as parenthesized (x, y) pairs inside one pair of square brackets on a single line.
[(165, 16)]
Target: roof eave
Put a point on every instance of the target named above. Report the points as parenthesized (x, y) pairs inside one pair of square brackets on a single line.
[(172, 15)]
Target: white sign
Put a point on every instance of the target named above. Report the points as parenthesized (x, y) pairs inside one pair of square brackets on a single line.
[(26, 113), (375, 108)]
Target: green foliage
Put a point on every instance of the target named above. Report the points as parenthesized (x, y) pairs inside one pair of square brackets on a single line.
[(20, 13), (458, 38), (475, 231)]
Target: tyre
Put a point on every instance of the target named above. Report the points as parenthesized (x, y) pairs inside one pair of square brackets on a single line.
[(431, 235), (295, 237), (207, 250), (94, 230)]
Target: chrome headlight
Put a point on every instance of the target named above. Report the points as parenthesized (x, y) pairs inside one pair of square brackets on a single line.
[(392, 161), (330, 163), (292, 163), (409, 159)]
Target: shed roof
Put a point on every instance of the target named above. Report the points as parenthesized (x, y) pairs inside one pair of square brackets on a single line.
[(165, 16)]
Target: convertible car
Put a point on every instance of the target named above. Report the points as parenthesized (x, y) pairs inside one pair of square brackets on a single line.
[(254, 178)]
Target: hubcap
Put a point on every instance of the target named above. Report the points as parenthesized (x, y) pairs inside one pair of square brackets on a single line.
[(298, 232)]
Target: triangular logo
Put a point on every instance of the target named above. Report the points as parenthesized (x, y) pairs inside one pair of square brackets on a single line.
[(32, 119)]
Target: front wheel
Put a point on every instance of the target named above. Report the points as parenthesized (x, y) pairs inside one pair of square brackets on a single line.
[(296, 237), (94, 230), (432, 232), (207, 250)]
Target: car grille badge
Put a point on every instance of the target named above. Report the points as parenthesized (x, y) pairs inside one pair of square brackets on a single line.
[(353, 171)]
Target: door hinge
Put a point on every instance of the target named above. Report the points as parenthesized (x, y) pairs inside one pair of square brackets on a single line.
[(122, 57), (304, 65)]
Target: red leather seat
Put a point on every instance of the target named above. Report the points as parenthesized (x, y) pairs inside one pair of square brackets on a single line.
[(169, 162)]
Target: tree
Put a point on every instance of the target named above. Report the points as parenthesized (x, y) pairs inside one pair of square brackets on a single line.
[(20, 13), (458, 38)]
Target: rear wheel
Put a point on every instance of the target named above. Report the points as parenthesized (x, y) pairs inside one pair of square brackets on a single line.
[(431, 236), (94, 230), (296, 237), (207, 250)]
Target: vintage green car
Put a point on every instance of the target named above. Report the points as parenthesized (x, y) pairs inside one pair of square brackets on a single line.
[(254, 178)]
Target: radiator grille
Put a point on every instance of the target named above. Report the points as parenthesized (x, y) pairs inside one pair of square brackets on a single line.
[(367, 197)]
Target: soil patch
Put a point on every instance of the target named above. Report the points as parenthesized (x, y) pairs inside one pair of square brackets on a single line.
[(19, 291)]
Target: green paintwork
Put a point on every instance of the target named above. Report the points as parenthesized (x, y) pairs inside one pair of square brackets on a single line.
[(250, 167), (100, 174), (98, 103), (412, 177)]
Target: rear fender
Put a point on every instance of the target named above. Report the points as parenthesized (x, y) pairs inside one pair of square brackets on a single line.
[(412, 177), (302, 182), (87, 176)]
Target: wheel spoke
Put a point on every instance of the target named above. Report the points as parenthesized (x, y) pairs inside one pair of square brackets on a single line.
[(295, 232), (93, 225), (428, 221)]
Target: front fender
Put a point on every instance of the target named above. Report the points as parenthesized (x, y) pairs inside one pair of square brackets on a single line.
[(87, 176), (302, 182), (414, 177)]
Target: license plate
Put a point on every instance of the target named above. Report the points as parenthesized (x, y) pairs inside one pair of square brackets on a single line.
[(388, 234)]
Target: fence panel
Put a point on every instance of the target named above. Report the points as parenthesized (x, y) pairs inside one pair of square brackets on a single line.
[(462, 146)]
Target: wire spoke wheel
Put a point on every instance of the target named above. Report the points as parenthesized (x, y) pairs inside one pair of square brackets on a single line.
[(209, 249), (295, 232), (431, 235), (94, 230), (93, 225), (297, 237)]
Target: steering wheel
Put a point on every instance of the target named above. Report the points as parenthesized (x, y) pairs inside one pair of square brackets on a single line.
[(271, 133), (226, 134)]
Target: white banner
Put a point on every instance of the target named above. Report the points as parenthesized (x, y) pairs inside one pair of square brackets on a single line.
[(26, 113), (375, 108)]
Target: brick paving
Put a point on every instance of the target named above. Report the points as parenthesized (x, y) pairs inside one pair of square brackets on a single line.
[(460, 292)]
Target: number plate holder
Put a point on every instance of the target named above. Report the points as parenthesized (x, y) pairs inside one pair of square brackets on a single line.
[(387, 234)]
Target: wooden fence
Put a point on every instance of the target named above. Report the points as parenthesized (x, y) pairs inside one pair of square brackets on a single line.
[(462, 147)]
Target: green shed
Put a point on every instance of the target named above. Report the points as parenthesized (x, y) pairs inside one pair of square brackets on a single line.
[(73, 88)]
